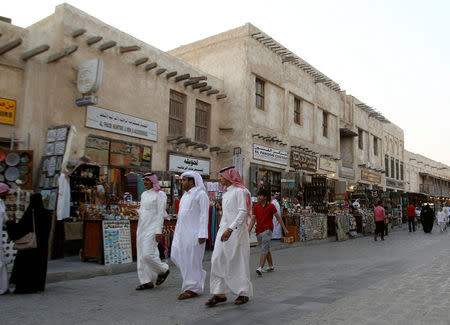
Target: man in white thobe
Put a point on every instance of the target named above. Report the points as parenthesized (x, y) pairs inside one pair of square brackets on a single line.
[(230, 269), (4, 189), (191, 232), (149, 233), (277, 231)]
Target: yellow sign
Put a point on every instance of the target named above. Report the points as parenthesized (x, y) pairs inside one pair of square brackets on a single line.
[(7, 111)]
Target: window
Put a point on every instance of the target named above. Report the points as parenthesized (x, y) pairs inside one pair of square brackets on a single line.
[(325, 123), (397, 170), (297, 111), (177, 110), (202, 118), (360, 139), (401, 171), (259, 93), (375, 146), (392, 168), (386, 165)]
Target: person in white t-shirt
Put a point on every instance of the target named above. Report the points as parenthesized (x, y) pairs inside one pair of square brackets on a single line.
[(442, 219)]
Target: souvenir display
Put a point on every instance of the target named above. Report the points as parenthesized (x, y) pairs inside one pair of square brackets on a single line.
[(12, 159), (117, 242)]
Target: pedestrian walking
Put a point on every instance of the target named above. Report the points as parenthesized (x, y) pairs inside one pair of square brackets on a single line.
[(263, 212), (427, 217), (379, 215), (151, 270), (4, 190), (277, 231), (446, 210), (442, 219), (30, 266), (191, 233), (418, 219), (230, 269), (411, 211)]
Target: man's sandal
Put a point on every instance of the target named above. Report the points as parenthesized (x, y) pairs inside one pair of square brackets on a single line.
[(214, 300), (145, 286), (241, 300), (187, 294), (162, 277)]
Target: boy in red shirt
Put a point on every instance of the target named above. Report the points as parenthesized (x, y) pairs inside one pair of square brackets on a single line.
[(263, 213)]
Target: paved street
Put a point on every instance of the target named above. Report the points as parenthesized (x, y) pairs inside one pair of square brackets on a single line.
[(403, 280)]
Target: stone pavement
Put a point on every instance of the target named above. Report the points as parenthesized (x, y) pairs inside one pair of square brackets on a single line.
[(402, 280)]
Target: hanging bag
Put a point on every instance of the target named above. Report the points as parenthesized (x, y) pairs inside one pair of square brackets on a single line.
[(28, 241)]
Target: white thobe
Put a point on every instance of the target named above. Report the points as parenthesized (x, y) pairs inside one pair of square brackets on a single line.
[(63, 206), (151, 220), (187, 253), (3, 269), (230, 269), (277, 233)]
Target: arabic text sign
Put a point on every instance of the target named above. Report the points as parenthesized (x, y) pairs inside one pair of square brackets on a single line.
[(300, 160), (7, 111), (327, 164), (269, 154), (183, 164), (371, 177), (104, 119)]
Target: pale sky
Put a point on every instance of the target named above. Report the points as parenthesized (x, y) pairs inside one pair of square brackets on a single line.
[(392, 55)]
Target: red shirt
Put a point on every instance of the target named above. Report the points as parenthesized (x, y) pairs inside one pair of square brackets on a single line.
[(264, 216), (379, 214), (411, 211)]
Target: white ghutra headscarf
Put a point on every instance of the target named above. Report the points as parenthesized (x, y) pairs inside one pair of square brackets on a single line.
[(199, 186)]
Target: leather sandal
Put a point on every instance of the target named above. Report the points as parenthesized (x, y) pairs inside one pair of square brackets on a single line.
[(214, 300), (187, 294), (145, 286), (162, 277), (241, 300)]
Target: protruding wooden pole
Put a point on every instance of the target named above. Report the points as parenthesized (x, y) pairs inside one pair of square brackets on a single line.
[(78, 32), (140, 61), (199, 85), (151, 66), (212, 92), (126, 49), (221, 96), (107, 45), (93, 40), (10, 45), (171, 74), (182, 77), (160, 71), (33, 52), (57, 56), (205, 88)]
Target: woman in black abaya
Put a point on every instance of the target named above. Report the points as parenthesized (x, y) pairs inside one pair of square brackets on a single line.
[(30, 266), (427, 216)]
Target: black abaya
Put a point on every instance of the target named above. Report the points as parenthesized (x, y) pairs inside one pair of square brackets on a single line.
[(30, 266), (427, 216)]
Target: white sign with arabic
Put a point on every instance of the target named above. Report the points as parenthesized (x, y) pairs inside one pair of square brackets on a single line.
[(183, 164), (270, 154), (104, 119)]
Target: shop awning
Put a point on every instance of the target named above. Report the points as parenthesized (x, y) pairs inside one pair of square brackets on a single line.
[(345, 132)]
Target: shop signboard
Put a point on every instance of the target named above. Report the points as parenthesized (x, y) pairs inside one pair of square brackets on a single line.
[(394, 183), (270, 154), (327, 164), (346, 172), (369, 176), (303, 161), (7, 111), (107, 120), (181, 164)]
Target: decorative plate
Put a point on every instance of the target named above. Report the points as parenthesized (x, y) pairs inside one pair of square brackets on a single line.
[(11, 173), (12, 159), (25, 157)]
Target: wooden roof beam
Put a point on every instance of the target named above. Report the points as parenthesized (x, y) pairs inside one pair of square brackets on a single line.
[(171, 74), (93, 40), (107, 45), (10, 45), (191, 82), (151, 66), (33, 52), (221, 96), (126, 49), (205, 88), (141, 61), (160, 71), (182, 77), (57, 56), (212, 92), (78, 32), (199, 85)]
